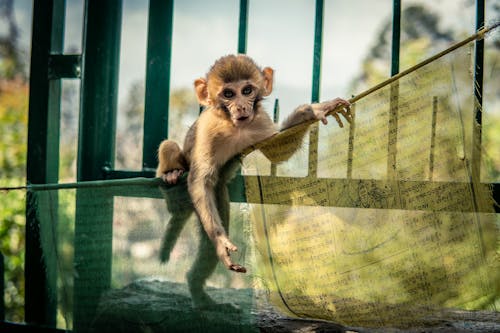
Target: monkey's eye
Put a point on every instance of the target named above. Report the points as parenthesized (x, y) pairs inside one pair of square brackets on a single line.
[(247, 90), (228, 93)]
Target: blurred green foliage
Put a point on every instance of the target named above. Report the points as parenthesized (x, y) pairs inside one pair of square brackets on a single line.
[(13, 145), (14, 118), (13, 136)]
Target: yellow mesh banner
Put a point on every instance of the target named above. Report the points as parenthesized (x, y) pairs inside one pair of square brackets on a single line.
[(394, 226)]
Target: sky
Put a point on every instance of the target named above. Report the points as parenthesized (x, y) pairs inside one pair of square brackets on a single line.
[(280, 35)]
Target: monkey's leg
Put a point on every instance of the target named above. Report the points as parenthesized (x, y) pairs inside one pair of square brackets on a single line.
[(202, 190), (203, 266), (174, 228), (222, 197), (171, 162), (207, 259)]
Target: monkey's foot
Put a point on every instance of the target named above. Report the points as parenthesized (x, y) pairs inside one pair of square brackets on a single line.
[(171, 177), (164, 255)]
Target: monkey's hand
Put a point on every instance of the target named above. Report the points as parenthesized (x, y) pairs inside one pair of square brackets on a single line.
[(333, 107), (224, 247), (171, 177)]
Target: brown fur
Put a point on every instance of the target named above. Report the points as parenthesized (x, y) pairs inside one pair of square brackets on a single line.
[(232, 121), (176, 158)]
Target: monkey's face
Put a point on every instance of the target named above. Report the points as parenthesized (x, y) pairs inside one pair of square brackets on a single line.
[(238, 100), (235, 85)]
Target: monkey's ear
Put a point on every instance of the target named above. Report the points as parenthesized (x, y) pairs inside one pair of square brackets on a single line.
[(201, 87), (268, 80)]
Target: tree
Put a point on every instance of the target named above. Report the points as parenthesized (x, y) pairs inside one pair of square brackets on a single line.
[(10, 55), (420, 38), (13, 141)]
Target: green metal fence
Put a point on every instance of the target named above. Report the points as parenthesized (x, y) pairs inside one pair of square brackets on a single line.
[(97, 69)]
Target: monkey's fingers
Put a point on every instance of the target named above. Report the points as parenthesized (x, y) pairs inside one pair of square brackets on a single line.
[(323, 119), (238, 268), (224, 247), (337, 102), (337, 118), (229, 246), (226, 260), (234, 267), (346, 114)]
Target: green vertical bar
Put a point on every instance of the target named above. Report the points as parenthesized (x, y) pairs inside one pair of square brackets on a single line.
[(100, 61), (318, 45), (276, 118), (396, 36), (93, 253), (242, 49), (316, 80), (394, 102), (94, 209), (43, 154), (156, 104), (243, 27), (276, 111), (2, 288), (478, 94)]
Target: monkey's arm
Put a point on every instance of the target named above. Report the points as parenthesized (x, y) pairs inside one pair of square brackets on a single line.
[(285, 144), (202, 182), (319, 111)]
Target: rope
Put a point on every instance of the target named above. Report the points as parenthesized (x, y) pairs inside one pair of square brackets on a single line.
[(157, 181), (478, 35), (152, 182)]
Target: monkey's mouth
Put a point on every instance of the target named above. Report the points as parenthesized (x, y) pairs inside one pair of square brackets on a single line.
[(241, 121)]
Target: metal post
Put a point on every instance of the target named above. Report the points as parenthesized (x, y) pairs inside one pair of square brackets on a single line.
[(43, 153), (276, 117), (157, 99), (394, 102), (316, 81), (100, 63), (478, 95), (93, 232), (396, 36), (243, 27)]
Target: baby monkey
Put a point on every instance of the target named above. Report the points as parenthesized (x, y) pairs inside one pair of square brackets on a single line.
[(233, 120)]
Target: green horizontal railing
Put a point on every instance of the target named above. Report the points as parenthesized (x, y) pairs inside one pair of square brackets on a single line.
[(149, 187), (97, 68)]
